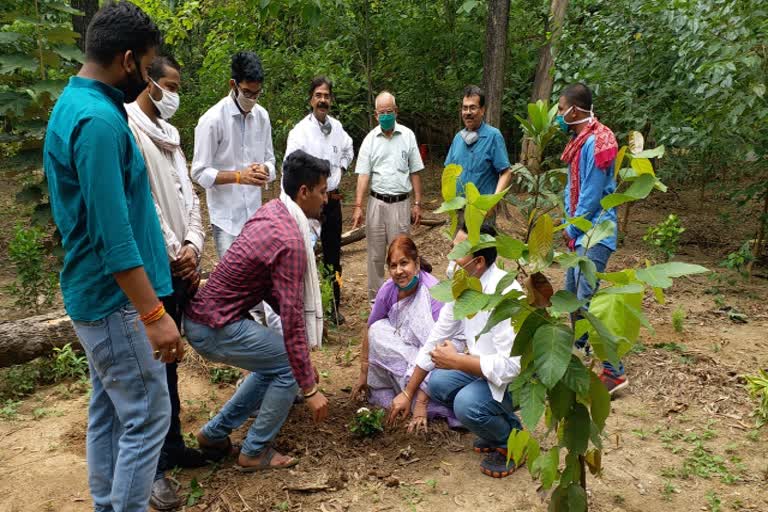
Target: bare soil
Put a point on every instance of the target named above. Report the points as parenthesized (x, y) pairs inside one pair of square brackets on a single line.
[(680, 438)]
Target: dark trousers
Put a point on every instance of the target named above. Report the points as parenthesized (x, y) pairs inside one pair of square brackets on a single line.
[(174, 440), (330, 237)]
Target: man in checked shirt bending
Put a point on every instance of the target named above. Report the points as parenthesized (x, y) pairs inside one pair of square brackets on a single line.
[(266, 262)]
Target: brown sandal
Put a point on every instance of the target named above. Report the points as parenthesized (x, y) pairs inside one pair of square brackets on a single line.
[(265, 464)]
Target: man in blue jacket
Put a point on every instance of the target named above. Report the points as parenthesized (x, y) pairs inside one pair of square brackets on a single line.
[(590, 155)]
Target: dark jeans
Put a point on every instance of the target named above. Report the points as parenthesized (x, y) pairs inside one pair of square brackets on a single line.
[(330, 237), (174, 440)]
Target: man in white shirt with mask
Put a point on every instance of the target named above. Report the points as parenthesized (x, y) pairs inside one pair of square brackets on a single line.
[(178, 210), (473, 385), (323, 136), (234, 158)]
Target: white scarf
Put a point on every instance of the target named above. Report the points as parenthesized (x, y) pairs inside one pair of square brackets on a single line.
[(313, 304), (164, 183)]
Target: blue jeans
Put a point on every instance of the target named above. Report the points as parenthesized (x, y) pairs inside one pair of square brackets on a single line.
[(471, 401), (270, 387), (574, 278), (129, 412)]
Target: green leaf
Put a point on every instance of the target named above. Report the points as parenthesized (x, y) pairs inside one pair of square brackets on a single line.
[(456, 203), (70, 52), (577, 428), (588, 271), (31, 193), (640, 316), (460, 250), (642, 166), (552, 351), (468, 304), (517, 445), (64, 7), (581, 224), (474, 220), (572, 471), (594, 460), (560, 401), (487, 201), (657, 152), (623, 290), (10, 37), (600, 401), (442, 291), (604, 342), (52, 88), (509, 248), (524, 335), (659, 276), (12, 102), (451, 173), (549, 464), (639, 189), (564, 301), (61, 35), (600, 232), (505, 282), (9, 63), (540, 244), (531, 400), (577, 377), (503, 311), (619, 161), (577, 498), (611, 309)]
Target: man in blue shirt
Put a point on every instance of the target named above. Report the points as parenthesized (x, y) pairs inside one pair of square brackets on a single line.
[(590, 155), (479, 148), (115, 265)]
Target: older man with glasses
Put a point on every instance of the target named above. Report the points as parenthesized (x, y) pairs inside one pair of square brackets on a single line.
[(234, 157), (389, 160)]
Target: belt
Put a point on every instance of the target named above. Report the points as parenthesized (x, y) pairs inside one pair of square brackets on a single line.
[(390, 199)]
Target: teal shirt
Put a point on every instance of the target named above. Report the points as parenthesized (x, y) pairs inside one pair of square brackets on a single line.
[(482, 162), (101, 201)]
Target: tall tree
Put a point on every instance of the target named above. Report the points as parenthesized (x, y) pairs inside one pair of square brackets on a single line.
[(497, 25), (545, 76), (80, 23)]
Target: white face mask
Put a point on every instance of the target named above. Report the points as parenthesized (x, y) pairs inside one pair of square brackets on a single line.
[(451, 270), (245, 104), (168, 104), (470, 137), (580, 121)]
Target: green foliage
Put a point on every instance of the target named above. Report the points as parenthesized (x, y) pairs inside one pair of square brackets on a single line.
[(196, 493), (63, 364), (678, 319), (67, 364), (9, 409), (664, 237), (224, 375), (738, 261), (35, 283), (713, 501), (757, 387), (367, 423), (326, 288)]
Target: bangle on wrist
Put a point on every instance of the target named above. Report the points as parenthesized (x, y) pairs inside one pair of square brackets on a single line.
[(237, 177), (408, 396), (154, 315), (358, 206), (312, 392)]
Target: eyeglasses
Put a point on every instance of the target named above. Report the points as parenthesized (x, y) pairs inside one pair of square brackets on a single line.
[(250, 94), (389, 111), (471, 108)]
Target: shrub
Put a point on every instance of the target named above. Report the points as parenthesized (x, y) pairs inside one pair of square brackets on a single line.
[(367, 423), (35, 283), (664, 237)]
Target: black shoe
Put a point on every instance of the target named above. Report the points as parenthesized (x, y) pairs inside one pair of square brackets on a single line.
[(164, 495), (190, 458)]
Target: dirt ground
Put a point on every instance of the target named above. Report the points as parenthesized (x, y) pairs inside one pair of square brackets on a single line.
[(680, 438)]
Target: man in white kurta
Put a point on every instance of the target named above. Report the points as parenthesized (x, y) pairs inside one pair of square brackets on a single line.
[(323, 136)]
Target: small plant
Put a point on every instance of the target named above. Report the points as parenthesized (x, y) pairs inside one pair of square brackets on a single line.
[(668, 491), (757, 387), (367, 423), (19, 380), (9, 409), (664, 237), (678, 319), (739, 261), (35, 283), (196, 492), (226, 375), (67, 364), (713, 501)]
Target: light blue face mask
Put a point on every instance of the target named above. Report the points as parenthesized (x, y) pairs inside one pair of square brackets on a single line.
[(410, 286)]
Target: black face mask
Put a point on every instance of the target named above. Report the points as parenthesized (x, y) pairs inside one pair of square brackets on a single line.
[(134, 84)]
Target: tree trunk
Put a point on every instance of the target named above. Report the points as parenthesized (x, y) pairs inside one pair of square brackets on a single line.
[(496, 29), (544, 79), (757, 249), (32, 337), (80, 23)]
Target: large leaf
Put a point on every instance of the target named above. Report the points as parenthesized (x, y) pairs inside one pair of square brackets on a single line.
[(549, 463), (469, 304), (659, 276), (604, 342), (639, 189), (64, 7), (442, 291), (577, 429), (657, 152), (619, 161), (61, 35), (599, 401), (524, 335), (503, 311), (564, 301), (642, 166), (10, 37), (552, 352), (577, 377), (611, 309), (540, 243), (577, 498), (508, 247), (531, 402), (487, 201), (12, 102), (517, 445), (448, 181), (580, 223), (455, 203), (9, 63), (600, 232), (561, 400)]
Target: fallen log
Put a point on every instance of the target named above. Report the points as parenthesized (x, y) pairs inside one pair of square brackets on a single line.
[(26, 339), (355, 235)]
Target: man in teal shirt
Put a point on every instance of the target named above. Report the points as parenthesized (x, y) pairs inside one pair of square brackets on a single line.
[(479, 148), (115, 265)]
